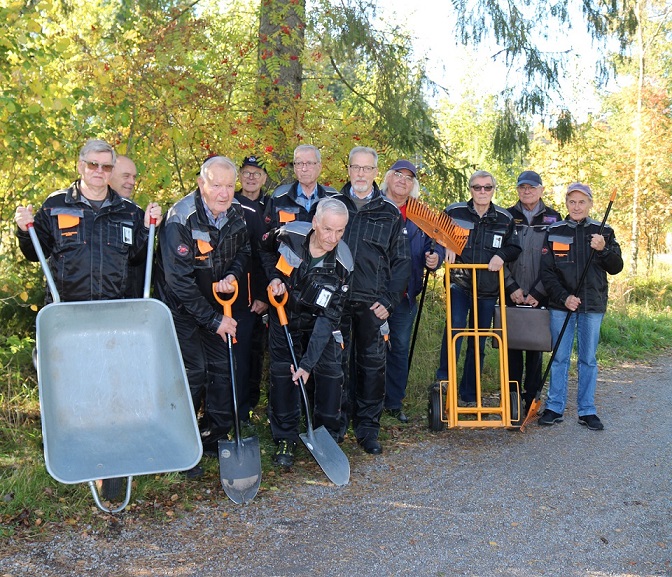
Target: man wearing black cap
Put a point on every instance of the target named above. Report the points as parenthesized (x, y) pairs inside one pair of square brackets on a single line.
[(250, 307), (253, 177), (523, 276)]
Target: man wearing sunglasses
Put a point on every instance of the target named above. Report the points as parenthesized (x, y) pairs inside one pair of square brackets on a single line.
[(90, 235), (493, 241)]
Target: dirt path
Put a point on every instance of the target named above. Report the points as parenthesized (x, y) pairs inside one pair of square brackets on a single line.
[(561, 501)]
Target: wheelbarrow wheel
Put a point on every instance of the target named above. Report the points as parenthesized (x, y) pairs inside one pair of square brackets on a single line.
[(111, 488), (435, 409)]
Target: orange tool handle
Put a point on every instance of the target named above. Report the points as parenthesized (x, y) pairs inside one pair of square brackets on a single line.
[(279, 305)]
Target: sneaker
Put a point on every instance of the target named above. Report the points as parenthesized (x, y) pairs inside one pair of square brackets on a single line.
[(284, 454), (592, 422), (550, 418)]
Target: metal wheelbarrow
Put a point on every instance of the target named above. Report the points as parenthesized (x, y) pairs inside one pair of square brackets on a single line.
[(114, 395)]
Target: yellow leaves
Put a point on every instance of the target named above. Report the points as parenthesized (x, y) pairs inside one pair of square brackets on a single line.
[(24, 296), (33, 308), (62, 44), (33, 26)]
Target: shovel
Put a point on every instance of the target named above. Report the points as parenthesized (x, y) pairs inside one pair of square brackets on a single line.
[(239, 460), (319, 442)]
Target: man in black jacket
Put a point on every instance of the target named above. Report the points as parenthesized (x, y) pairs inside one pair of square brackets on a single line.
[(493, 241), (523, 275), (296, 201), (566, 254), (204, 240), (90, 235), (312, 264), (379, 244)]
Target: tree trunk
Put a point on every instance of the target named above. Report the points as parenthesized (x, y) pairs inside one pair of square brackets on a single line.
[(634, 240)]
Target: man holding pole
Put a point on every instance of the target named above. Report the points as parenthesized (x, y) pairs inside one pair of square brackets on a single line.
[(578, 252)]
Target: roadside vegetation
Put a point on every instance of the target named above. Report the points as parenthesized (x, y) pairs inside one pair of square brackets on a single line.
[(637, 328)]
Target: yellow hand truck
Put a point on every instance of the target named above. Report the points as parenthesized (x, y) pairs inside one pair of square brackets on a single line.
[(499, 409)]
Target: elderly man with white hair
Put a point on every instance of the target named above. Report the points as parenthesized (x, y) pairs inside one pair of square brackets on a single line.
[(400, 183)]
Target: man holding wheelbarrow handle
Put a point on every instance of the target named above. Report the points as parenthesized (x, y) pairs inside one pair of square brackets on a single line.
[(204, 240), (311, 263), (577, 255), (90, 235)]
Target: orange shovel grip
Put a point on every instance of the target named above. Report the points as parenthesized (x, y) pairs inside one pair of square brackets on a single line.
[(279, 305)]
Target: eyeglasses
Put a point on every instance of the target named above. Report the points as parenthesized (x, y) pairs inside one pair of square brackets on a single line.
[(523, 188), (406, 177), (309, 164), (365, 169), (479, 187), (248, 174), (96, 165)]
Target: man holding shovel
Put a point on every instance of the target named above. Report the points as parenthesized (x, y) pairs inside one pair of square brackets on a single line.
[(204, 240), (311, 263)]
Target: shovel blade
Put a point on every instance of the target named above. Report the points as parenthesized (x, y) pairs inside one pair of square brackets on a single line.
[(240, 468), (328, 455)]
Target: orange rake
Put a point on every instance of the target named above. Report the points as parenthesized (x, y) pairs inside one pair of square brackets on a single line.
[(437, 225)]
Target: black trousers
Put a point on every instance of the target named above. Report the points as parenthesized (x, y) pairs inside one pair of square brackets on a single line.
[(364, 366), (206, 361), (530, 366), (325, 383)]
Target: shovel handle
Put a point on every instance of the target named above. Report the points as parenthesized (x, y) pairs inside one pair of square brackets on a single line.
[(226, 303), (279, 305)]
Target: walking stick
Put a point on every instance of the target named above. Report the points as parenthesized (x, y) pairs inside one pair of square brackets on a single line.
[(536, 403)]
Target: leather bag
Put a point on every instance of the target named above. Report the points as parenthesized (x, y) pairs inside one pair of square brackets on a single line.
[(528, 328)]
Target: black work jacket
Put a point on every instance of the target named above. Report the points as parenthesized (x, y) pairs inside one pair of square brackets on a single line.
[(282, 207), (286, 255), (379, 244), (89, 252), (564, 257), (525, 271), (492, 234), (192, 254)]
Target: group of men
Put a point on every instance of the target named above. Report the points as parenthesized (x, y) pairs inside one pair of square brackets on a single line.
[(349, 262)]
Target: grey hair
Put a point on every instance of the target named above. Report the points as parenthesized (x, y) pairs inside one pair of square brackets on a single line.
[(332, 205), (415, 191), (482, 174), (218, 161), (308, 147), (95, 145), (365, 149)]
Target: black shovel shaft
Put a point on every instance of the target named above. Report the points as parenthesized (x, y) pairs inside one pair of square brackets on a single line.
[(582, 278), (422, 302)]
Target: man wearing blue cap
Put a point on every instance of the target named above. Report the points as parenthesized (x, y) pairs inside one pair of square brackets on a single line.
[(523, 276)]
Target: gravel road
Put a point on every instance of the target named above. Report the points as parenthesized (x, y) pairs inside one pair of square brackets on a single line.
[(557, 501)]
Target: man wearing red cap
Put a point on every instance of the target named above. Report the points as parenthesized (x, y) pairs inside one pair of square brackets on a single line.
[(566, 254)]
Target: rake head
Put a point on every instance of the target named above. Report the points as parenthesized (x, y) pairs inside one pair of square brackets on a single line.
[(437, 225)]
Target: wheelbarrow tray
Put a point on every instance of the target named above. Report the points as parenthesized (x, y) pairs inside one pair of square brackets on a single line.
[(113, 391)]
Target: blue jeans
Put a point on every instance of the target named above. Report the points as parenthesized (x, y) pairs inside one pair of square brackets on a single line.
[(586, 328), (461, 305), (396, 360)]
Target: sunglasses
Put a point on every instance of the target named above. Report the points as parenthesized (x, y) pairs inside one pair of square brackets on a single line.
[(94, 166), (479, 187)]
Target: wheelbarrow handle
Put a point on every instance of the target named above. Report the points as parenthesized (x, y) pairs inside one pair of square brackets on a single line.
[(279, 305), (226, 303)]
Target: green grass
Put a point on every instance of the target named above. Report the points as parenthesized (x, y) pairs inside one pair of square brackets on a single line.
[(637, 327)]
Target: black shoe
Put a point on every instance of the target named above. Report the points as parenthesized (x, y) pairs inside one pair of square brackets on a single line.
[(550, 418), (284, 454), (592, 422), (370, 445), (397, 414), (193, 473)]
